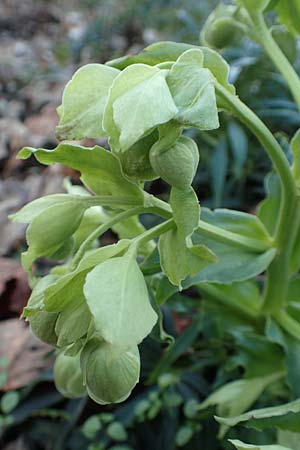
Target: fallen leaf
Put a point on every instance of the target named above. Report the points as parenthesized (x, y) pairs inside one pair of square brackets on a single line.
[(27, 357)]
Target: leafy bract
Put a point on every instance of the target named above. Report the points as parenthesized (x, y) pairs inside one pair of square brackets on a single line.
[(109, 375), (233, 264), (83, 102), (193, 91), (237, 396), (242, 446), (139, 100), (117, 296), (283, 417), (178, 256), (156, 53), (169, 51), (55, 294), (100, 169)]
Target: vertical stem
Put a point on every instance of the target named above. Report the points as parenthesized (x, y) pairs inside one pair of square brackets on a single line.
[(289, 213), (275, 53)]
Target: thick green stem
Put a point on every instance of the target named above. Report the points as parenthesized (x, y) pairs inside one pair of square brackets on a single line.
[(283, 65), (288, 215)]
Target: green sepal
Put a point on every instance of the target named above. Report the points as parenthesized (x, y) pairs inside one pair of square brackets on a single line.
[(68, 377), (72, 323), (109, 375)]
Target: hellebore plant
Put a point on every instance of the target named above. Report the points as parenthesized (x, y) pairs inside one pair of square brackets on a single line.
[(99, 305)]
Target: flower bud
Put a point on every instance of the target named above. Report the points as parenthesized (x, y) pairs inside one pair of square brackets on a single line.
[(176, 164), (221, 29)]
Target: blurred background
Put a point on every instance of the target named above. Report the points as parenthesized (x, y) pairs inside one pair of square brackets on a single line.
[(42, 44)]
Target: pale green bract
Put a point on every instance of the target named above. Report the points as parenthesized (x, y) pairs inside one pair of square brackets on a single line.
[(83, 102), (192, 88), (117, 295), (68, 377), (139, 100)]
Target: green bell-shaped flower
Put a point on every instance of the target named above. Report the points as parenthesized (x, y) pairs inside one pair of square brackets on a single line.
[(68, 377), (109, 375), (176, 164)]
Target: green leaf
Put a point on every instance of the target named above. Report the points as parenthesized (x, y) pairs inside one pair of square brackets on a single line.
[(289, 15), (295, 147), (219, 168), (9, 401), (233, 264), (283, 417), (83, 102), (241, 297), (118, 299), (239, 147), (242, 446), (192, 88), (108, 374), (178, 256), (156, 53), (269, 208), (257, 354), (184, 435), (237, 396), (100, 169), (91, 427), (116, 431), (291, 348), (143, 91)]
